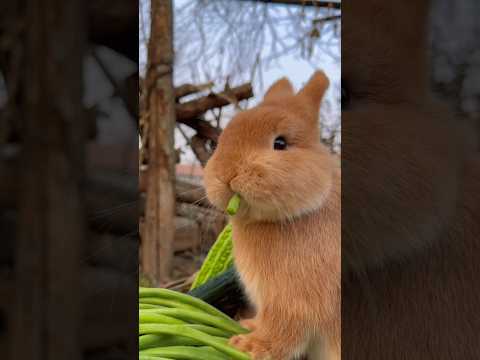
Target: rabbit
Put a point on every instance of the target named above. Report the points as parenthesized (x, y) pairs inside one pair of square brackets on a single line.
[(286, 233)]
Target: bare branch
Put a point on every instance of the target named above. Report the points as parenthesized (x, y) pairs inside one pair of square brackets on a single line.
[(188, 89), (316, 3), (199, 147), (195, 108), (327, 18), (203, 128)]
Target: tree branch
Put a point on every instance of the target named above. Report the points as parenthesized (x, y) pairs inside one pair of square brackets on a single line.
[(198, 145), (317, 3), (327, 18), (203, 128), (193, 109), (188, 89)]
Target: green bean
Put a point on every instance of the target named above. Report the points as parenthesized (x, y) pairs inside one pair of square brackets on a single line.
[(152, 340), (152, 357), (186, 353), (146, 306), (199, 317), (153, 317), (233, 205), (210, 330), (177, 330), (160, 302), (186, 299), (148, 341)]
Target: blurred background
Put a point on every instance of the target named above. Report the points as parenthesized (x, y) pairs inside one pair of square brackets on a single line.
[(68, 179), (223, 57)]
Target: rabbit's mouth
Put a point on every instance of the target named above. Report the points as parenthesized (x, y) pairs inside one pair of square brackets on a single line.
[(258, 208), (268, 198)]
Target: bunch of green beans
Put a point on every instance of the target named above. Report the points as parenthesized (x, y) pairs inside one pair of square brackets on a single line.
[(173, 325)]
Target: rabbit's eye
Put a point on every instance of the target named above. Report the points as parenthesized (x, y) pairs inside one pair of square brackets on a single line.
[(280, 143)]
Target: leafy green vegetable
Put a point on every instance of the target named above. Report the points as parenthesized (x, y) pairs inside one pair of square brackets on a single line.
[(219, 258)]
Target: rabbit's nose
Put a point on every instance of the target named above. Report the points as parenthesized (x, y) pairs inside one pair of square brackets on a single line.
[(233, 184), (227, 177), (237, 184)]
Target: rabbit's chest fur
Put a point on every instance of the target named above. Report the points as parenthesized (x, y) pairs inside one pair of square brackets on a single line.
[(293, 266)]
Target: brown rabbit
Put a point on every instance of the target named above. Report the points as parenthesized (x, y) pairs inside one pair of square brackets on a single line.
[(287, 231)]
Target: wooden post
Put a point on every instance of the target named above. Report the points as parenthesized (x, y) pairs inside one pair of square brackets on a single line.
[(47, 313), (157, 239)]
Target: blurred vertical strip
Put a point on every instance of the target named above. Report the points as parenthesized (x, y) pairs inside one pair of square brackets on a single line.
[(68, 179), (51, 224), (410, 180)]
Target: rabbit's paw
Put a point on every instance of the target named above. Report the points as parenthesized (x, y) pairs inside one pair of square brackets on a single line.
[(249, 324), (258, 349)]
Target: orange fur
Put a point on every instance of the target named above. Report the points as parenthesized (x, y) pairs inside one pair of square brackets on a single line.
[(411, 239), (287, 231)]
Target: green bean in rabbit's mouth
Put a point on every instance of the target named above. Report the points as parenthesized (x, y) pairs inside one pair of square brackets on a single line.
[(233, 205)]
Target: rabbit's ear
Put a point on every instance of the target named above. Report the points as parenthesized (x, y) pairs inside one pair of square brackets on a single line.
[(281, 88), (314, 90)]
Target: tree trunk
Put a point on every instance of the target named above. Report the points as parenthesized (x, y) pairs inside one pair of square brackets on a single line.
[(47, 315), (156, 247)]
